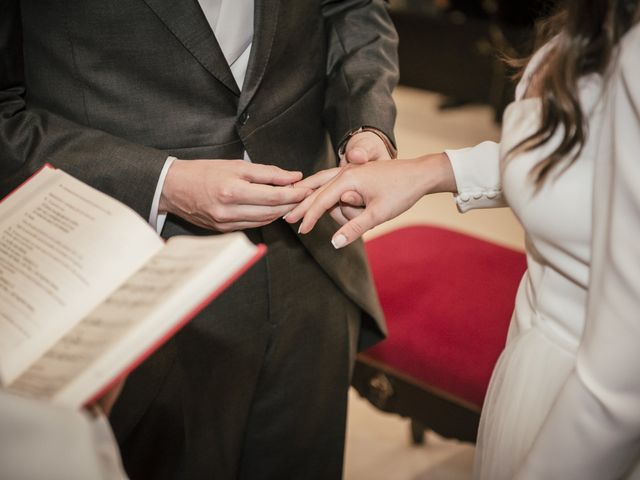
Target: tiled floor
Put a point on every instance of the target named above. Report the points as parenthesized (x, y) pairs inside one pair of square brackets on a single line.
[(378, 446)]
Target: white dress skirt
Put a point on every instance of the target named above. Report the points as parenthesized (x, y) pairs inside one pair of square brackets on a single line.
[(564, 398)]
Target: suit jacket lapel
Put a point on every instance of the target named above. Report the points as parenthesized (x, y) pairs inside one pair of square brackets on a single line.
[(187, 22), (266, 21)]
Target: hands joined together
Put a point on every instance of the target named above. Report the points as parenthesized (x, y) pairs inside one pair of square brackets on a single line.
[(363, 192)]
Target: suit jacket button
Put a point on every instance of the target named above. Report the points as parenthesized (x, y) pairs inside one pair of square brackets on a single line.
[(244, 118)]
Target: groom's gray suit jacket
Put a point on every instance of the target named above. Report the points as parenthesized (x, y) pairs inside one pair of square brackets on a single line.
[(106, 90)]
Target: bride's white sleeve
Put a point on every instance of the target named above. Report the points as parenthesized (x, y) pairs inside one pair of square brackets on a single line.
[(593, 429), (477, 174), (477, 169)]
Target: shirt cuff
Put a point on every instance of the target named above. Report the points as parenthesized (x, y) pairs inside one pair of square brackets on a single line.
[(477, 175), (156, 219)]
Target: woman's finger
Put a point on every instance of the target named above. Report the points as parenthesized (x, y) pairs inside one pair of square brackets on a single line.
[(319, 179), (323, 201), (300, 210), (355, 228)]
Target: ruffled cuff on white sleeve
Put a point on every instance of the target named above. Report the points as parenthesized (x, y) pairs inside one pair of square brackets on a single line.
[(477, 174)]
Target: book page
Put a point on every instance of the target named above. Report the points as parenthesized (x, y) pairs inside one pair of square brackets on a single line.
[(64, 247), (156, 298)]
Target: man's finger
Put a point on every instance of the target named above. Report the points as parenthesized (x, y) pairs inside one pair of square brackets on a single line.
[(349, 213), (353, 199), (239, 226), (244, 193), (338, 215), (319, 179), (357, 155), (254, 213), (270, 175), (365, 147)]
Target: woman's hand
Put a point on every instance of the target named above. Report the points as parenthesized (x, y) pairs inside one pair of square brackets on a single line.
[(387, 189)]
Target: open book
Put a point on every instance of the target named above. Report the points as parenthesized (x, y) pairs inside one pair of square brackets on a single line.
[(88, 290)]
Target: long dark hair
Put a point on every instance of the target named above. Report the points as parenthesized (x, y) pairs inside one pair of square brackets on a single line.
[(586, 33)]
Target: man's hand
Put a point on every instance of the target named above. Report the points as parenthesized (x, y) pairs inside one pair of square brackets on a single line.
[(229, 195), (362, 148)]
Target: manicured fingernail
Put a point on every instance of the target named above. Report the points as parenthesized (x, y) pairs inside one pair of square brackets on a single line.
[(299, 228), (286, 215), (339, 241)]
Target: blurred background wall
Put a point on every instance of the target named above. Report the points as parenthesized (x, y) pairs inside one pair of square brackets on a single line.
[(452, 46)]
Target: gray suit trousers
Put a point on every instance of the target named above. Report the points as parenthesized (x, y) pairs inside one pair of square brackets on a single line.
[(260, 379)]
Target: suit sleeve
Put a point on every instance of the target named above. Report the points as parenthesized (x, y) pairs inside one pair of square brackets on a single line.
[(30, 137), (593, 429), (362, 67)]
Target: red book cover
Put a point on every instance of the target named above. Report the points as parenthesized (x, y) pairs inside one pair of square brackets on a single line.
[(177, 325)]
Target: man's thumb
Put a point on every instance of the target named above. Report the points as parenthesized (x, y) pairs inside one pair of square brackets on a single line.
[(357, 155)]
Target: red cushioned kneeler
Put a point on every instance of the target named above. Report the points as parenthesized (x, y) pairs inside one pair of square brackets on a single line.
[(448, 299)]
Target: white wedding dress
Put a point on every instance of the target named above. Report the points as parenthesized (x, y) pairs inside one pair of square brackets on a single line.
[(564, 399)]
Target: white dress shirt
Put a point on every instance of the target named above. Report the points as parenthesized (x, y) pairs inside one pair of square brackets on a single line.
[(39, 440)]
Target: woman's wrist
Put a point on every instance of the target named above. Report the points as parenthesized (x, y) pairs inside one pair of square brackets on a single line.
[(437, 173)]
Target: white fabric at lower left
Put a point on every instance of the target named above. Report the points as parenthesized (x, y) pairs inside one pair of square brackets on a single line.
[(42, 441)]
